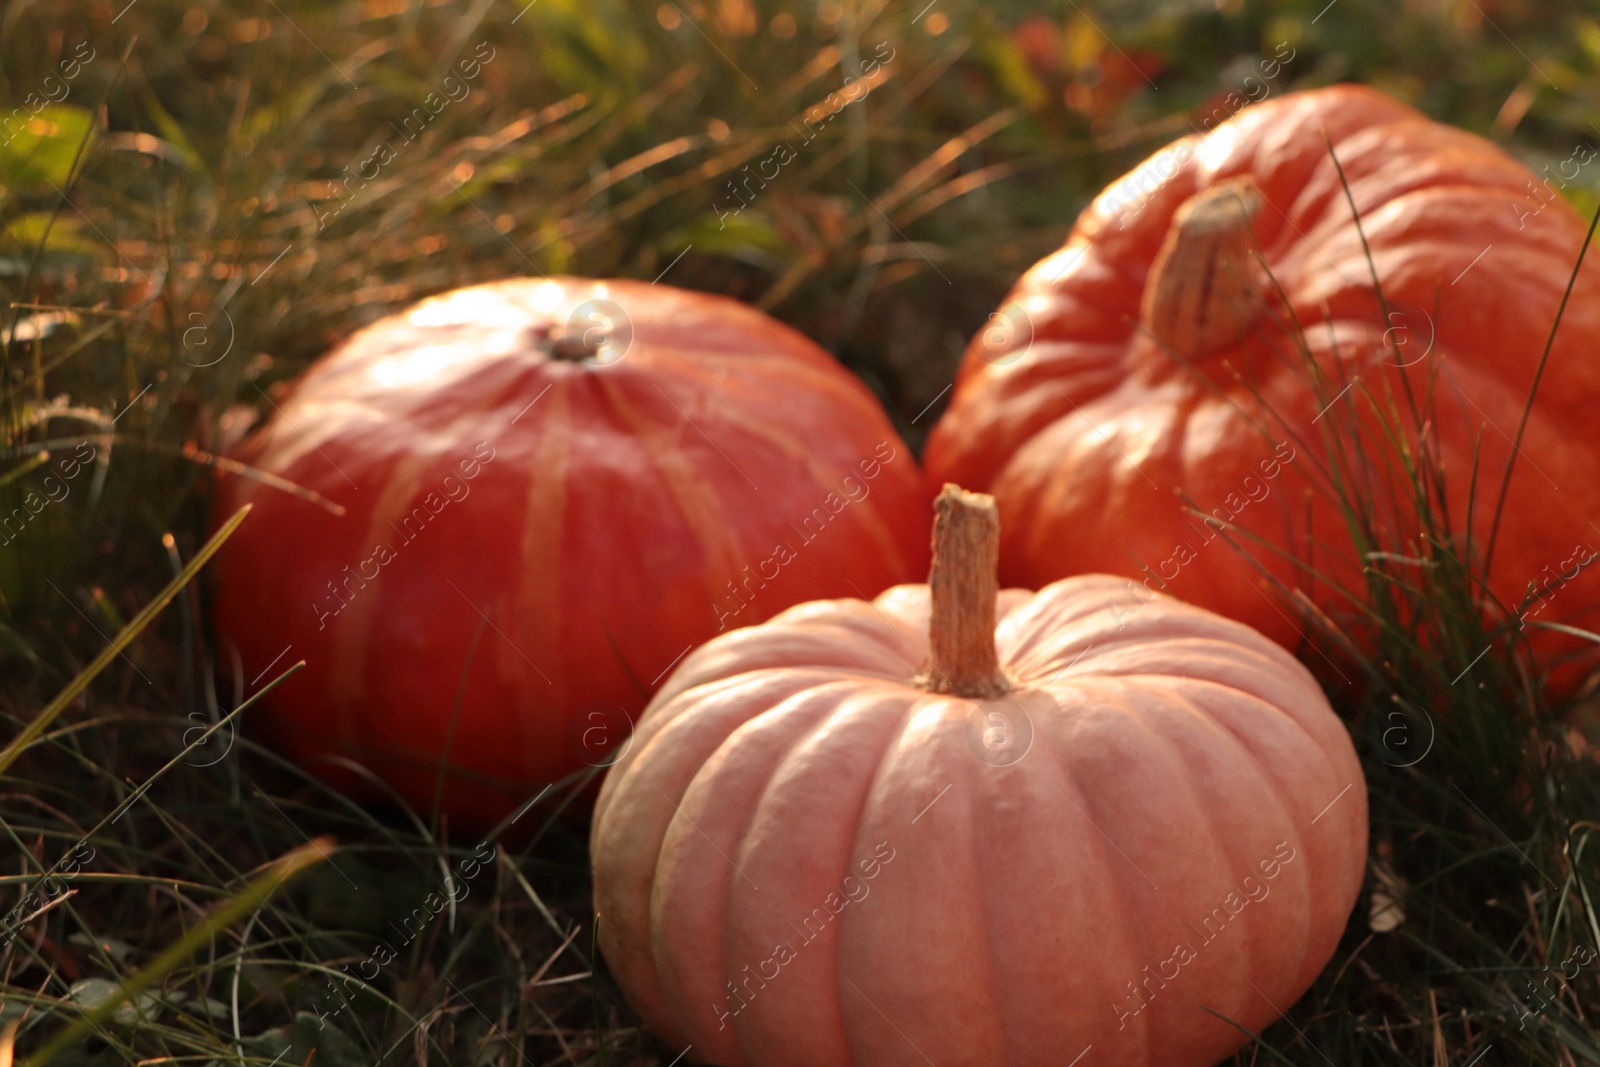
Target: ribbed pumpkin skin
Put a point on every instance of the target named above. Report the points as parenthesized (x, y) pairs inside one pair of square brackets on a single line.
[(1173, 751), (1087, 438), (598, 539)]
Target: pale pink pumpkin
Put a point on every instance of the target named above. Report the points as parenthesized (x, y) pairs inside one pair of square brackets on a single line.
[(1122, 811)]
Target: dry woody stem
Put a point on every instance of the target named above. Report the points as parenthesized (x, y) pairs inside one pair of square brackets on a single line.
[(1202, 295), (963, 584)]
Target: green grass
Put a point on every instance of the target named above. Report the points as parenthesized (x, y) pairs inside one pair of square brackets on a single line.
[(1476, 933), (169, 250)]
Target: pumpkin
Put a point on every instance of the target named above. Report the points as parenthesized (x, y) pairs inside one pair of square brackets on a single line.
[(550, 490), (959, 826), (1140, 396)]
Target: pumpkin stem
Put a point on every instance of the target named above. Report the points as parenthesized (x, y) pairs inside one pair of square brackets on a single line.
[(963, 585), (1201, 295), (573, 346)]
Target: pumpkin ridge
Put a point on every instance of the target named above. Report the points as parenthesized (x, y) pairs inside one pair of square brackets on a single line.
[(703, 511), (1252, 699), (663, 713), (1024, 417), (696, 352), (826, 674), (851, 674), (692, 362), (1038, 375), (689, 364), (796, 449), (904, 639), (1065, 672), (1218, 842), (1035, 623), (1214, 683), (1049, 495), (722, 687), (934, 722), (537, 597), (1156, 617), (883, 635), (716, 380), (1030, 612), (1170, 629), (896, 641), (1310, 900), (1223, 862), (1223, 729), (633, 758), (986, 984), (704, 776), (1128, 919), (893, 732), (872, 623), (1271, 706), (1181, 683), (796, 347), (845, 695), (810, 629), (1368, 178), (347, 681)]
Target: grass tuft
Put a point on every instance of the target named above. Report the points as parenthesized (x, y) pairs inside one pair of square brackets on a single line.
[(203, 208)]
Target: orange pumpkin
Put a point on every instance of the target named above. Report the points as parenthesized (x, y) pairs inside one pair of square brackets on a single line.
[(954, 827), (1149, 369), (551, 490)]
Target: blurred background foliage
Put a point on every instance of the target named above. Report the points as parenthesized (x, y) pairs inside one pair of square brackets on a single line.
[(199, 198), (202, 187)]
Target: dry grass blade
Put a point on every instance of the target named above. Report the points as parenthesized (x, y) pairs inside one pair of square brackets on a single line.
[(136, 625), (246, 901)]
